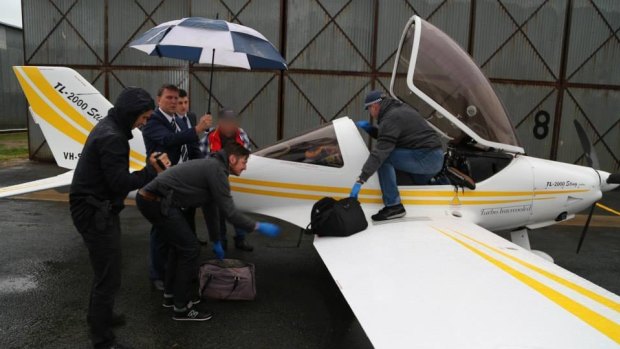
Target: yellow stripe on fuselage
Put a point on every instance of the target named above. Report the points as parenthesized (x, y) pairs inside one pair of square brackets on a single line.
[(604, 325), (403, 192)]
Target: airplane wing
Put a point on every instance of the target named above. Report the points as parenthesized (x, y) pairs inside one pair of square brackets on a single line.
[(38, 185), (424, 283)]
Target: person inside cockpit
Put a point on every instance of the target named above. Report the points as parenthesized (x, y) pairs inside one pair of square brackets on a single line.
[(405, 142)]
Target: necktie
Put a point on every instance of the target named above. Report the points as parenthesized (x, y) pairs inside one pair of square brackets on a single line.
[(184, 154)]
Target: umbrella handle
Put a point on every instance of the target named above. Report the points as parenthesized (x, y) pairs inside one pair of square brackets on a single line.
[(211, 82)]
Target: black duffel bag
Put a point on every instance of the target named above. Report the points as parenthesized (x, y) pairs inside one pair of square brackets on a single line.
[(337, 218)]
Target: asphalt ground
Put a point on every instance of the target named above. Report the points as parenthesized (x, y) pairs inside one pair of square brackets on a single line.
[(45, 279)]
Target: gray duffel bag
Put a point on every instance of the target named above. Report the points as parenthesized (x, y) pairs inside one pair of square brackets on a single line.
[(228, 279)]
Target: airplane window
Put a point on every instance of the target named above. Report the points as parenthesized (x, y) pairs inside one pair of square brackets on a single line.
[(317, 147)]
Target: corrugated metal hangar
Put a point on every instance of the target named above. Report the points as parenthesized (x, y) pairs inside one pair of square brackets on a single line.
[(12, 101), (551, 61)]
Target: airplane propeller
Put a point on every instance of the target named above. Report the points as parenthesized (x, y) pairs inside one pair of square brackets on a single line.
[(592, 161)]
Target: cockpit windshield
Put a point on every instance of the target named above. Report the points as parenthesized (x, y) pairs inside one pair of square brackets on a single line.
[(449, 90), (317, 147)]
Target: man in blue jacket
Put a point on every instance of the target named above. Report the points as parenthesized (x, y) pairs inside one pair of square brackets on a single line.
[(165, 133)]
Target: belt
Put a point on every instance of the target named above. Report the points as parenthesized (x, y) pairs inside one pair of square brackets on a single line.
[(148, 196)]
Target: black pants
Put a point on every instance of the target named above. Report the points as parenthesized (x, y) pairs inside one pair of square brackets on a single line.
[(182, 265), (102, 237)]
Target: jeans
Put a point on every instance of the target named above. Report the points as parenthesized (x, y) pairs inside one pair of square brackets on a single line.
[(239, 233), (422, 164), (102, 237), (184, 249)]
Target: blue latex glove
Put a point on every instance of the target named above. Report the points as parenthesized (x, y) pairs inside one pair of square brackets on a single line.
[(268, 229), (355, 190), (364, 125), (218, 250)]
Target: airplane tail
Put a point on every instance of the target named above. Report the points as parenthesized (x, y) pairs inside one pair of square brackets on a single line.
[(66, 107)]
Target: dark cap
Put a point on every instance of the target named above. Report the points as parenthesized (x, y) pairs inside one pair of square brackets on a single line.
[(373, 97), (227, 114)]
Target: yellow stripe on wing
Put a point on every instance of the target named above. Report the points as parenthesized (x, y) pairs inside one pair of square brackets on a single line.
[(569, 284), (604, 325)]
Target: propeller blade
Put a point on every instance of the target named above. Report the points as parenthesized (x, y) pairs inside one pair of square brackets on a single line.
[(585, 227), (586, 145), (614, 178)]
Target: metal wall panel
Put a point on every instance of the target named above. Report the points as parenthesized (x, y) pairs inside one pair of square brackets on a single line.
[(450, 16), (329, 35), (525, 43), (12, 101), (308, 101), (128, 19)]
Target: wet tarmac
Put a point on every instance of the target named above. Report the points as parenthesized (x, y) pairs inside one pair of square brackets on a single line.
[(45, 278)]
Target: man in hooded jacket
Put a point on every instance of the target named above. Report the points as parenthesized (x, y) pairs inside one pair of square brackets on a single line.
[(100, 184)]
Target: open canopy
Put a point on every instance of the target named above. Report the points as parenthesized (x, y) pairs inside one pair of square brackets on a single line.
[(433, 74)]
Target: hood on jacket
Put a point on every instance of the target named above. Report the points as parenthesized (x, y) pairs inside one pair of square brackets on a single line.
[(387, 104), (223, 157), (131, 103)]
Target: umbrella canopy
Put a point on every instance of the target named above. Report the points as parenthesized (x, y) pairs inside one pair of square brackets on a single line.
[(211, 41)]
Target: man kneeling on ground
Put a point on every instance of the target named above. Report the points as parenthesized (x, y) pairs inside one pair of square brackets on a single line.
[(195, 183)]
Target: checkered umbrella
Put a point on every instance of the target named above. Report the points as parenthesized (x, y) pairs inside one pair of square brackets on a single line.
[(211, 41)]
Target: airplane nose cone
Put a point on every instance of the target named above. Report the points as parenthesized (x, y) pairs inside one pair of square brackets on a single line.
[(604, 185)]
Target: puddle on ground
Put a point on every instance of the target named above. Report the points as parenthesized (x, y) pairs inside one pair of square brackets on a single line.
[(17, 284)]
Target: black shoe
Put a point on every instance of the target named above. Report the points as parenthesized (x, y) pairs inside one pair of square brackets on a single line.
[(168, 302), (192, 315), (390, 212), (195, 301), (157, 285), (241, 244)]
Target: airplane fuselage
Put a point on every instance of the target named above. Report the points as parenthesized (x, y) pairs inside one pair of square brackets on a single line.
[(528, 192)]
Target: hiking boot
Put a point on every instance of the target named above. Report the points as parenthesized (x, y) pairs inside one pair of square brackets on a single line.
[(242, 244), (192, 315), (390, 212)]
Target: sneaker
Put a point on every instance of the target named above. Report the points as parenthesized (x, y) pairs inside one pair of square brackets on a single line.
[(241, 244), (168, 302), (390, 212), (195, 301), (192, 315)]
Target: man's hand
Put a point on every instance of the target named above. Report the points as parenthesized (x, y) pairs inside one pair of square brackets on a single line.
[(205, 123), (268, 229), (218, 250), (159, 161), (355, 191), (364, 125)]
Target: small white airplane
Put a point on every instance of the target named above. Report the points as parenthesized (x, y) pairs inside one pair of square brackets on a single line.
[(440, 277)]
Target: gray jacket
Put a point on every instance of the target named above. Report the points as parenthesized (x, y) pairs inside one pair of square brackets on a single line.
[(400, 126), (201, 183)]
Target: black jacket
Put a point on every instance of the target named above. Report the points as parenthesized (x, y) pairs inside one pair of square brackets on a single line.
[(400, 126), (201, 183), (160, 136), (102, 172)]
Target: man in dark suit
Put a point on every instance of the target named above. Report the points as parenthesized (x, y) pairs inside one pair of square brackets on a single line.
[(167, 133)]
